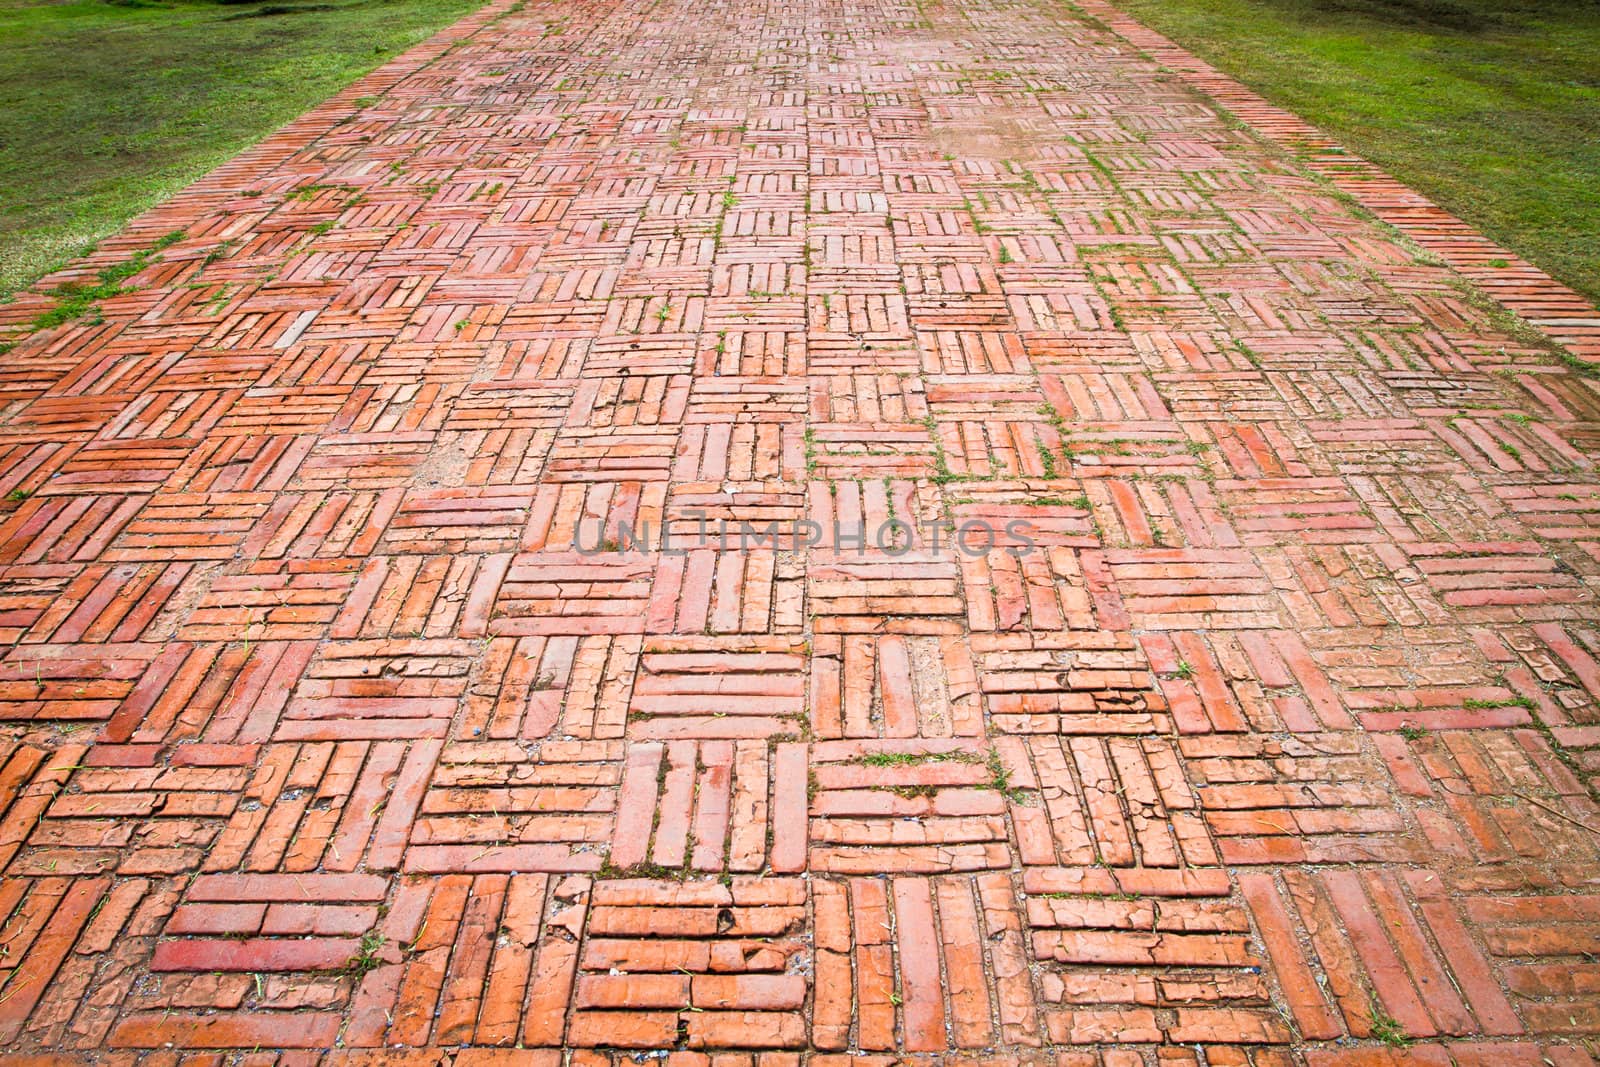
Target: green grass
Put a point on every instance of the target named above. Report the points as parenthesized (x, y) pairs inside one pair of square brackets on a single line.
[(74, 299), (1490, 108), (106, 108)]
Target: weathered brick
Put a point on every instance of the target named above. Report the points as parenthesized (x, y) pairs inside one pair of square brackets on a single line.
[(1145, 617)]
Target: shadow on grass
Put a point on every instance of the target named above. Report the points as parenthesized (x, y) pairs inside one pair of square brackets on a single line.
[(281, 9), (1427, 14)]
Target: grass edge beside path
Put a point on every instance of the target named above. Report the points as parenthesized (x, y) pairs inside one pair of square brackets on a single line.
[(1491, 110), (109, 108)]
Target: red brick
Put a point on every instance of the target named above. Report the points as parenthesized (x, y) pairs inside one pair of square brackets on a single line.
[(297, 1030), (306, 954)]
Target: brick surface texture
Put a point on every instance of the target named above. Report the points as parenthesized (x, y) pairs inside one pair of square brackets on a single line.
[(349, 714)]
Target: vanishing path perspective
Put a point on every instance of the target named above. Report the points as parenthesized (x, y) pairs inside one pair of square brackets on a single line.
[(384, 670)]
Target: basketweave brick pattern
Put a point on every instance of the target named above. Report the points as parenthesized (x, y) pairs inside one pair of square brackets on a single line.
[(438, 627)]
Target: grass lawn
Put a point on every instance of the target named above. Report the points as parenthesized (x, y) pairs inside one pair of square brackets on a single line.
[(106, 108), (1489, 107)]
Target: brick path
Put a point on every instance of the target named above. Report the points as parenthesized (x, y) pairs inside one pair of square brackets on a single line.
[(340, 706)]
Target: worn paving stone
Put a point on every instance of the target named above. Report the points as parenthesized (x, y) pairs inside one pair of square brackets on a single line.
[(812, 531)]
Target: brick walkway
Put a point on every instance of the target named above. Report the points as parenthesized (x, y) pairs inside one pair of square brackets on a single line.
[(341, 705)]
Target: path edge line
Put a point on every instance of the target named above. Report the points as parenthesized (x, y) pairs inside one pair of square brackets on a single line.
[(1557, 311), (256, 161)]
